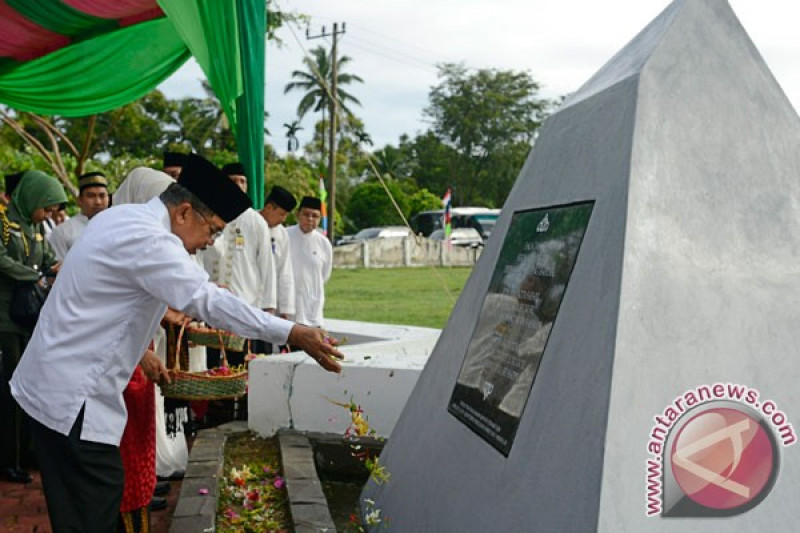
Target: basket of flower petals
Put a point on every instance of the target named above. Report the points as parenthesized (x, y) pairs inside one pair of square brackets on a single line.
[(219, 383), (215, 338)]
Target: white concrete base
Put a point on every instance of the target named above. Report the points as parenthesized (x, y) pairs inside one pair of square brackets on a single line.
[(292, 391)]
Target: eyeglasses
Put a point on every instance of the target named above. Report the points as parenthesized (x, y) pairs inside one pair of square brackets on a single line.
[(213, 233), (310, 214)]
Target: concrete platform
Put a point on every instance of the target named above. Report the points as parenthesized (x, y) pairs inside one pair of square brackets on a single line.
[(381, 367)]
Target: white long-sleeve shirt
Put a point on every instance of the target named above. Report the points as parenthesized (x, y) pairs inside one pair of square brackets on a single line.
[(104, 308), (283, 270), (242, 259), (312, 262), (65, 234)]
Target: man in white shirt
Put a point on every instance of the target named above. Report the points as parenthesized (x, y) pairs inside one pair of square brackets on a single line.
[(110, 295), (277, 206), (312, 261), (92, 199), (242, 260), (53, 220)]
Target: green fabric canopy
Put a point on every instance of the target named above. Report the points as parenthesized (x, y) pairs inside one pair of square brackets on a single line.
[(105, 66), (227, 39), (98, 74), (252, 19)]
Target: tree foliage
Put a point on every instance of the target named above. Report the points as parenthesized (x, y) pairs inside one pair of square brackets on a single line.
[(486, 121), (423, 200), (135, 129), (316, 80), (371, 206)]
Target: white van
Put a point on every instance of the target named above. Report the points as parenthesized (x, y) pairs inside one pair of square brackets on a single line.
[(482, 219)]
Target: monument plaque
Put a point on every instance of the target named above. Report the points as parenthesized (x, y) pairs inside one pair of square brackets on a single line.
[(520, 307)]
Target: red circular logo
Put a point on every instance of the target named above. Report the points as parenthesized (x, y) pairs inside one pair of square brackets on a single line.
[(722, 458)]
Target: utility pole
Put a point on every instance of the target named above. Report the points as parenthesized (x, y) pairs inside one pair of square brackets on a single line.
[(334, 105)]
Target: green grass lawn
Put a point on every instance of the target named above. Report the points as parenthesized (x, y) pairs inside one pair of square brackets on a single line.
[(411, 296)]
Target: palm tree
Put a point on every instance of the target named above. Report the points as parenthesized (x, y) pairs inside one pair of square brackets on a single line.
[(292, 128), (363, 137), (197, 121), (390, 161), (317, 80)]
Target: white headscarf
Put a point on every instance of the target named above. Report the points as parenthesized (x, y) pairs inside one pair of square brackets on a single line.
[(141, 185)]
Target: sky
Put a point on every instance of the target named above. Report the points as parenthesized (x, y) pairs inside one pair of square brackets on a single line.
[(395, 47)]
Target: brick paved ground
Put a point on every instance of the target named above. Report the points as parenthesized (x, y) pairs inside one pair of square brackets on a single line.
[(23, 509)]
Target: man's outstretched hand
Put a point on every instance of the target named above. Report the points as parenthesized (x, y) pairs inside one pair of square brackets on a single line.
[(312, 341)]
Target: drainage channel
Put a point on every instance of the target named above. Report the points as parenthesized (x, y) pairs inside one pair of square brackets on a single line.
[(196, 512)]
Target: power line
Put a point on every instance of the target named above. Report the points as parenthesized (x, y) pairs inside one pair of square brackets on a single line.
[(387, 51), (438, 58), (371, 50)]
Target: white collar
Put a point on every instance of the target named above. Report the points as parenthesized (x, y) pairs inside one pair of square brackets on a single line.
[(160, 209)]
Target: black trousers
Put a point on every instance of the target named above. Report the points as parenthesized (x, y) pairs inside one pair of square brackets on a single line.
[(82, 480), (15, 442)]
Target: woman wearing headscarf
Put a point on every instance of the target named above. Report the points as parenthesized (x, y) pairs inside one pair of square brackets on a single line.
[(138, 444), (24, 255), (141, 185)]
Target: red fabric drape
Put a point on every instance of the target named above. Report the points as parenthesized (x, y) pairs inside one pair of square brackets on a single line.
[(138, 445), (22, 39), (112, 9)]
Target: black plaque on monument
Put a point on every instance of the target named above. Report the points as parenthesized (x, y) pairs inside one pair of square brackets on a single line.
[(520, 308)]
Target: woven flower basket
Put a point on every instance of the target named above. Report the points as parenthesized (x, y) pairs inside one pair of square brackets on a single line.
[(200, 385), (215, 338)]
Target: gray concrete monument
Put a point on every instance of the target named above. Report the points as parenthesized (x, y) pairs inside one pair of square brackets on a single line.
[(624, 355)]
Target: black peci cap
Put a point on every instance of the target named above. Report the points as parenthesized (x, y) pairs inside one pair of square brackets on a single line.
[(234, 169), (281, 197), (175, 159), (311, 202), (208, 183)]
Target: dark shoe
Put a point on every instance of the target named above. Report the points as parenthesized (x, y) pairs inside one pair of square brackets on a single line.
[(158, 503), (162, 488), (15, 474), (190, 428)]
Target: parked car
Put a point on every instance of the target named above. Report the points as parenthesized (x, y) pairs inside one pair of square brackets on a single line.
[(380, 232), (460, 237), (344, 239), (482, 219)]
